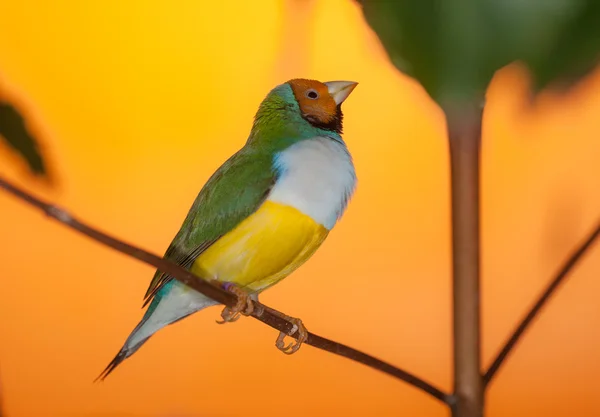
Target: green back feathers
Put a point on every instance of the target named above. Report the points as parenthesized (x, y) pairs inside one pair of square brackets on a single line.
[(233, 192)]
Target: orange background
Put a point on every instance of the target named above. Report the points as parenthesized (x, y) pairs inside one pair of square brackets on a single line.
[(142, 100)]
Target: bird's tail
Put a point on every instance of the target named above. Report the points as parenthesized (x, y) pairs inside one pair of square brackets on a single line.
[(125, 352), (121, 356), (178, 303)]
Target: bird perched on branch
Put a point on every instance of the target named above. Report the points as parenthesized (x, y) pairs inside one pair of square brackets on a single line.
[(263, 213)]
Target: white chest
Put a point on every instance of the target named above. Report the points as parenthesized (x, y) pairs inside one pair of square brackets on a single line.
[(317, 177)]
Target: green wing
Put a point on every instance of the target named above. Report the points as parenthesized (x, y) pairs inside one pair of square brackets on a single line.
[(233, 193)]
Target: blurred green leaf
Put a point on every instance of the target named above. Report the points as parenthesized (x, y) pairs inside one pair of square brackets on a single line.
[(454, 47), (574, 52), (14, 130)]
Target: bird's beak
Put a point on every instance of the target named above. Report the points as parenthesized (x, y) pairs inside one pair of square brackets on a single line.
[(340, 90)]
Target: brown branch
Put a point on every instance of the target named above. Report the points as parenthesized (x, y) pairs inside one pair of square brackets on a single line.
[(464, 134), (541, 302), (263, 313)]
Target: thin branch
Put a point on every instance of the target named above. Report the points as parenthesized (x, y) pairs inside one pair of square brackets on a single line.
[(464, 134), (263, 313), (541, 302)]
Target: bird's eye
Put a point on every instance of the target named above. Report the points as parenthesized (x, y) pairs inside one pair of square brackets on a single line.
[(312, 94)]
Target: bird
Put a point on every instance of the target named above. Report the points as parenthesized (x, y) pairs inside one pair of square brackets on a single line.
[(262, 214)]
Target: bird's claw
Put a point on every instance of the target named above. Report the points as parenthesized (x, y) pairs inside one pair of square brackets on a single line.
[(243, 306), (293, 346)]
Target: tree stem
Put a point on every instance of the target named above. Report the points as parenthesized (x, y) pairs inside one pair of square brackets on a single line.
[(464, 131)]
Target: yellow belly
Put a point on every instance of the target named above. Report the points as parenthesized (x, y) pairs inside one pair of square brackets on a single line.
[(263, 249)]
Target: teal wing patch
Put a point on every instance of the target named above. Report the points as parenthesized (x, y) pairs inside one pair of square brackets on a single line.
[(234, 192)]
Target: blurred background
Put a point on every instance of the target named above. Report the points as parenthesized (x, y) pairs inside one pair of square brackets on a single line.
[(137, 104)]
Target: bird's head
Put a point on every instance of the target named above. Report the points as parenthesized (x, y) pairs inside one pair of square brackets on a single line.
[(302, 108)]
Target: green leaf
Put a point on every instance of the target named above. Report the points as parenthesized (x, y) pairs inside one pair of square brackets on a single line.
[(432, 41), (575, 51), (454, 47), (14, 130)]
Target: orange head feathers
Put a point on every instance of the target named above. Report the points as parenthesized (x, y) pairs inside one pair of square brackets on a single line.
[(320, 102)]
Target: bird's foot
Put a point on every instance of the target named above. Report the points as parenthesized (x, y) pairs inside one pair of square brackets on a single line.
[(298, 329), (243, 306)]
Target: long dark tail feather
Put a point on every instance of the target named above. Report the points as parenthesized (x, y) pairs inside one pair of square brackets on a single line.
[(125, 353), (121, 356)]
